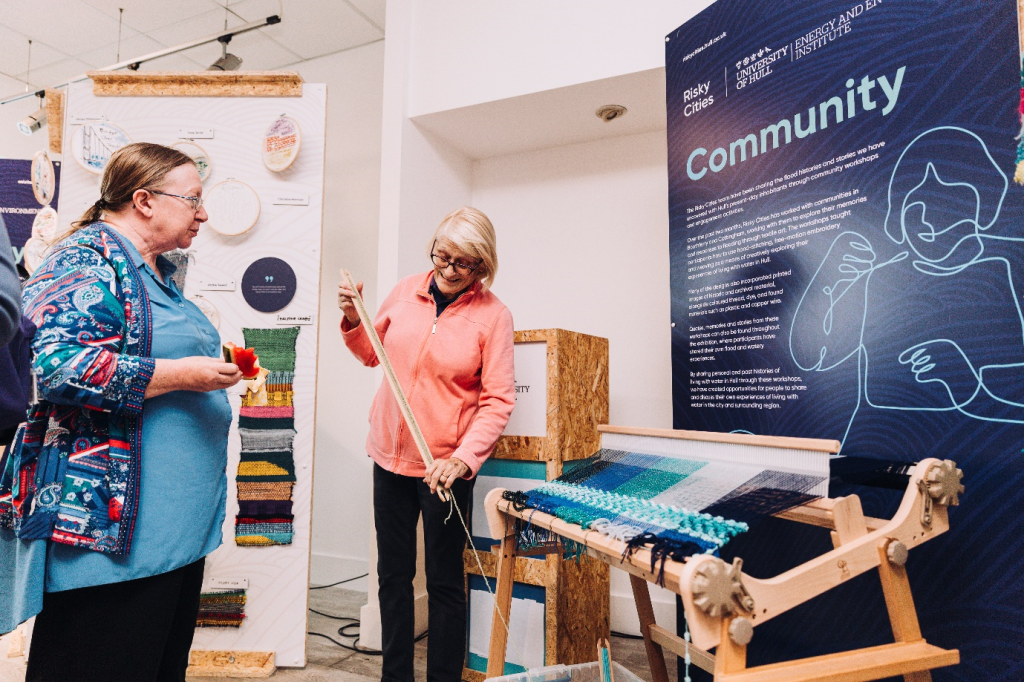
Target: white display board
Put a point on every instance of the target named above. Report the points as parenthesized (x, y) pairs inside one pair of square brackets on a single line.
[(277, 576), (530, 418)]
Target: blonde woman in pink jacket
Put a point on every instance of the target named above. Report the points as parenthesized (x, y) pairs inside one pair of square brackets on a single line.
[(449, 340)]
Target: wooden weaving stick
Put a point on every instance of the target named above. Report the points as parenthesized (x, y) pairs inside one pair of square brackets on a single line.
[(396, 388)]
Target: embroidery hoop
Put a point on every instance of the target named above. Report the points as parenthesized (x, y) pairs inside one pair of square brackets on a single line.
[(285, 151), (101, 148), (207, 307), (233, 207), (44, 231), (202, 158), (43, 177)]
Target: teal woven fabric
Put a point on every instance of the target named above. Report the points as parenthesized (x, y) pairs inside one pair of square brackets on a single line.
[(675, 507)]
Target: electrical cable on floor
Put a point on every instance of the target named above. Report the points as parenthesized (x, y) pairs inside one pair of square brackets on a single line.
[(623, 635), (340, 582), (343, 632)]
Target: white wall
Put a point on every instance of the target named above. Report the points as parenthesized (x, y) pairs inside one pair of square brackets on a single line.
[(466, 51), (341, 490), (583, 245)]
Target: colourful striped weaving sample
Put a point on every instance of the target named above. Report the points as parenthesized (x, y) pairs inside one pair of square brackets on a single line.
[(221, 609), (266, 426)]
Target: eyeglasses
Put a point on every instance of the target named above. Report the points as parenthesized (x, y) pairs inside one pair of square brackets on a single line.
[(442, 263), (197, 202)]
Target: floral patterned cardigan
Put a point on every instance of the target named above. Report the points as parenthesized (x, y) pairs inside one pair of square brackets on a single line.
[(72, 474)]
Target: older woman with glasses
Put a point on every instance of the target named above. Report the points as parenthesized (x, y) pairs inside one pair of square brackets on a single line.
[(115, 488), (450, 342)]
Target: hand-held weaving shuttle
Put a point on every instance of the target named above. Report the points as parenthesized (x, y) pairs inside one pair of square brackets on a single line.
[(659, 504)]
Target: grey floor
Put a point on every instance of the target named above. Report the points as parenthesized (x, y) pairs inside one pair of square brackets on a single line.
[(327, 662)]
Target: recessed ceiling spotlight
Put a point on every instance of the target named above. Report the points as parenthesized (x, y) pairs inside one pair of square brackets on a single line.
[(610, 112)]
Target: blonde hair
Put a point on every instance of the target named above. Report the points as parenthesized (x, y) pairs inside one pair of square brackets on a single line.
[(470, 231), (140, 165)]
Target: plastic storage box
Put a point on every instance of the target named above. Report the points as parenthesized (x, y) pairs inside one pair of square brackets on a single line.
[(583, 672)]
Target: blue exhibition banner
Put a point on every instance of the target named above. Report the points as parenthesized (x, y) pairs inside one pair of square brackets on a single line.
[(847, 259), (18, 205)]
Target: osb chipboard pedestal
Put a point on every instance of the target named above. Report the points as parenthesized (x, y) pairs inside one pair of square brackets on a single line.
[(577, 594), (236, 664), (577, 399)]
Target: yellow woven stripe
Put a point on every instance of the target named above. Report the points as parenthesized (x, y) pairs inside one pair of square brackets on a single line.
[(280, 398), (253, 541), (260, 469)]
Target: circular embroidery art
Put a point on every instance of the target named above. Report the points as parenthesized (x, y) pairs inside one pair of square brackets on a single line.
[(44, 232), (197, 154), (93, 144), (268, 285), (233, 207), (281, 144), (44, 181), (208, 309)]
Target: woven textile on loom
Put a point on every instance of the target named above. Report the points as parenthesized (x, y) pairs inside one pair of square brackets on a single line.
[(674, 507), (266, 426), (221, 609)]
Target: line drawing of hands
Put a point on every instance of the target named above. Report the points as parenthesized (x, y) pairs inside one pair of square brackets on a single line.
[(943, 362)]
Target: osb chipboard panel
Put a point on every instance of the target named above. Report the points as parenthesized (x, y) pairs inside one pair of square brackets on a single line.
[(584, 609), (529, 448), (196, 83), (55, 120), (473, 675), (541, 572), (582, 394), (234, 664), (577, 398)]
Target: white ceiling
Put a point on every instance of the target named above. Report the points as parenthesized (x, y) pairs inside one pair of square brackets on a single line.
[(70, 37)]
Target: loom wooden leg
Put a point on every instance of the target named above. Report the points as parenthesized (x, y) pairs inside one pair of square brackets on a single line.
[(645, 610), (729, 657), (900, 603), (503, 605)]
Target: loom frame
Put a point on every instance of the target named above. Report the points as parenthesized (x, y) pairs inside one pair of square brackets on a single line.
[(860, 544)]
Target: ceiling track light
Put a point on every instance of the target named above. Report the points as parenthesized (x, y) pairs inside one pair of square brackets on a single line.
[(227, 61), (134, 64), (35, 120)]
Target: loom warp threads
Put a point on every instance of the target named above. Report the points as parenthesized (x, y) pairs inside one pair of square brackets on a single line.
[(673, 507)]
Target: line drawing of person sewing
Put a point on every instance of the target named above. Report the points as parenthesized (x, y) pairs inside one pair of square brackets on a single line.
[(945, 195)]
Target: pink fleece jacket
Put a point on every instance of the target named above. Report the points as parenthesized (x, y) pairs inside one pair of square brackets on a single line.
[(456, 371)]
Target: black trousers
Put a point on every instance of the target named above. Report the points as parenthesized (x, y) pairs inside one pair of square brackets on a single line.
[(398, 502), (135, 631)]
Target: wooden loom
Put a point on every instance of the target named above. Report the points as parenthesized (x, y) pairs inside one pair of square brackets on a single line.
[(724, 605)]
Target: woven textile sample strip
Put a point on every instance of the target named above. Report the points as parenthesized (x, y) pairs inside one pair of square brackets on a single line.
[(221, 609), (266, 426)]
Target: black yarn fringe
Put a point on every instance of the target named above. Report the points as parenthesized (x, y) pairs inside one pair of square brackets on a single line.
[(662, 549)]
